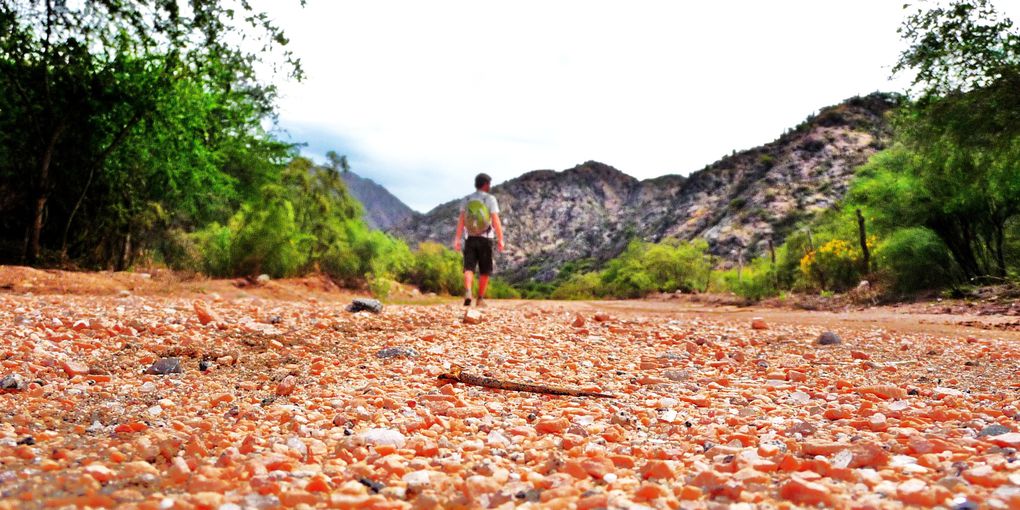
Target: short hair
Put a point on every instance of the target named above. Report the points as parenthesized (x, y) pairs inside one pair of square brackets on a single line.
[(481, 180)]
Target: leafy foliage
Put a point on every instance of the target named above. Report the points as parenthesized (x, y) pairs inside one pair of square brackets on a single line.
[(915, 259), (123, 120)]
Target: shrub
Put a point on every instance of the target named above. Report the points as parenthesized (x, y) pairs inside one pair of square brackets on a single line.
[(579, 286), (757, 281), (500, 289), (437, 269), (257, 240), (833, 266), (644, 268), (916, 259)]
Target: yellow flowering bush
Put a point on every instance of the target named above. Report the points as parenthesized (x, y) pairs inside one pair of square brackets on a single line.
[(835, 265)]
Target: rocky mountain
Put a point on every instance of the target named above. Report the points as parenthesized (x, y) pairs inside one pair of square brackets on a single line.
[(737, 204), (383, 211)]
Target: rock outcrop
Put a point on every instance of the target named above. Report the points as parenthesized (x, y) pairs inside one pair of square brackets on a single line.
[(739, 203)]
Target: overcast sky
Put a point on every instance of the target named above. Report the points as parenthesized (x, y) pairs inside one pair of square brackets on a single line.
[(421, 96)]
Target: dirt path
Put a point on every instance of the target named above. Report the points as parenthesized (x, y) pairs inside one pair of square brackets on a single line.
[(126, 391), (886, 318)]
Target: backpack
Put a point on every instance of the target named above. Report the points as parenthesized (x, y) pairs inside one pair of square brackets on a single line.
[(477, 218)]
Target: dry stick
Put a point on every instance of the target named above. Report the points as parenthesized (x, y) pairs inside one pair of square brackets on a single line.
[(456, 375)]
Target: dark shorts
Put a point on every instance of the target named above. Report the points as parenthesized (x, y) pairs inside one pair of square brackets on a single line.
[(478, 252)]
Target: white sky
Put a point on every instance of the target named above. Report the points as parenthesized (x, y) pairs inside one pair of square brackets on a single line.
[(421, 96)]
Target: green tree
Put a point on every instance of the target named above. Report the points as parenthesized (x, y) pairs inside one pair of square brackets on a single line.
[(960, 139), (93, 92)]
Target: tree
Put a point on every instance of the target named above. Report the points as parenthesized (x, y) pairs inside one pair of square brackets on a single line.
[(90, 89), (961, 137)]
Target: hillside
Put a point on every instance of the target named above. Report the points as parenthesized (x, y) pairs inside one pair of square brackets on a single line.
[(591, 211), (382, 210)]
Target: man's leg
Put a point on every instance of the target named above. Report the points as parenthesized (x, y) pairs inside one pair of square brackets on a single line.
[(469, 280), (483, 282), (484, 270)]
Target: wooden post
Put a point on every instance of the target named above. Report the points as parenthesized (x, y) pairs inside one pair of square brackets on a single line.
[(863, 234), (740, 265)]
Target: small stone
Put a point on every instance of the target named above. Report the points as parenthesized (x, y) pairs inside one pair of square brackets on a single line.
[(472, 317), (799, 397), (372, 485), (27, 440), (286, 386), (994, 430), (203, 365), (416, 479), (100, 472), (73, 368), (262, 279), (12, 382), (676, 375), (578, 321), (383, 437), (396, 352), (365, 304), (165, 366), (829, 338), (759, 323), (205, 316)]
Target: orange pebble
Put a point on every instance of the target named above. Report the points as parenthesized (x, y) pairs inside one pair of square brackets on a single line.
[(658, 469)]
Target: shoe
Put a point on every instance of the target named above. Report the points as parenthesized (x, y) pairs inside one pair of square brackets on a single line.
[(467, 301), (481, 303)]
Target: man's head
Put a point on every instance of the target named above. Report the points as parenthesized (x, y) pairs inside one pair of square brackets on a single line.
[(482, 182)]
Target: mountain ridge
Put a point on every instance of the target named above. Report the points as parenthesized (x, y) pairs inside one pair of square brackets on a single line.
[(383, 210), (738, 204)]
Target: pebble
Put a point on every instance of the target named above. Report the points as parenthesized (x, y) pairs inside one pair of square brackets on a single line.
[(994, 430), (396, 352), (829, 338), (165, 366), (472, 316), (365, 305), (759, 323), (379, 436), (578, 321), (12, 382)]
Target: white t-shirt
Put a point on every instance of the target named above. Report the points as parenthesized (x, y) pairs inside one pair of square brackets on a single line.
[(490, 204)]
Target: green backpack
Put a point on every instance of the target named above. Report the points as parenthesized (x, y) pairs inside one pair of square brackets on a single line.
[(477, 218)]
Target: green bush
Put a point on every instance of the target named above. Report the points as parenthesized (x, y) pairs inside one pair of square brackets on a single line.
[(757, 281), (644, 268), (579, 286), (257, 240), (499, 289), (437, 269), (916, 259)]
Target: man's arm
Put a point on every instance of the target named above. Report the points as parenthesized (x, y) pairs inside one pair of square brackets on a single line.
[(460, 232), (499, 231)]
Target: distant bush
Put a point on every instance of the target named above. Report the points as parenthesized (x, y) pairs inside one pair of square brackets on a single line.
[(644, 268), (579, 286), (835, 265), (916, 259), (257, 240), (437, 269), (812, 145), (754, 282), (499, 289)]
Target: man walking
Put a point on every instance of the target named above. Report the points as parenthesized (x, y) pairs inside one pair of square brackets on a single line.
[(479, 221)]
